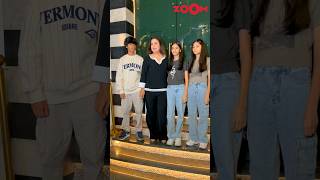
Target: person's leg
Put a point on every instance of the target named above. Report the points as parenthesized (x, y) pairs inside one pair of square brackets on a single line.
[(91, 134), (180, 110), (192, 113), (138, 107), (162, 115), (126, 105), (171, 111), (299, 152), (151, 101), (226, 143), (262, 126), (53, 136), (203, 114)]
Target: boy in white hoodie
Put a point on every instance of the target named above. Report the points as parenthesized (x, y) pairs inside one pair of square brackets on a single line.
[(66, 81), (127, 81)]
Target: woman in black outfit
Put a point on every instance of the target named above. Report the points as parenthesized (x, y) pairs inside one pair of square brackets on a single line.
[(153, 84)]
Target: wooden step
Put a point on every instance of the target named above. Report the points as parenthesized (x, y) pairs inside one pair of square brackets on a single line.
[(150, 172)]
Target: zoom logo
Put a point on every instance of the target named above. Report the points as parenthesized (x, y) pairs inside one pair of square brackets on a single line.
[(193, 9)]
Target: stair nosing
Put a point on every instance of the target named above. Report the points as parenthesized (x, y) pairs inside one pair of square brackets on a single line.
[(167, 152), (157, 170)]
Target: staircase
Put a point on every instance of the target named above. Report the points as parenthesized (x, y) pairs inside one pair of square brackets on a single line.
[(135, 160)]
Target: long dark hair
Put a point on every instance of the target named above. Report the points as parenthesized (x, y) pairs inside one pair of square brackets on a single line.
[(203, 56), (224, 13), (162, 47), (171, 57), (297, 16)]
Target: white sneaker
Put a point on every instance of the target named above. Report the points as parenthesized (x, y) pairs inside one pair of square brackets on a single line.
[(191, 143), (177, 142), (203, 146), (170, 142)]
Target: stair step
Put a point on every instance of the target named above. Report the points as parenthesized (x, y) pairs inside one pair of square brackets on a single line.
[(162, 156), (171, 151), (124, 174), (149, 172)]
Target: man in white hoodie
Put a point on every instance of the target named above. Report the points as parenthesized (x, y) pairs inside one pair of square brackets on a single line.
[(127, 82), (66, 82)]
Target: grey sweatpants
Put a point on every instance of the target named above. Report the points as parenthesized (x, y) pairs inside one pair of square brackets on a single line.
[(126, 105), (54, 134)]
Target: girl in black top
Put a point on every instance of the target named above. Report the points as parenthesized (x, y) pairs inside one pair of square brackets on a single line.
[(153, 84)]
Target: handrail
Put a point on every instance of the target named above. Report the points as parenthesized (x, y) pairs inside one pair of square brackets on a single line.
[(4, 123)]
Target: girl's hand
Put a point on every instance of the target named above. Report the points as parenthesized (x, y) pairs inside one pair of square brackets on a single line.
[(207, 99), (185, 98), (310, 121), (239, 118), (142, 93)]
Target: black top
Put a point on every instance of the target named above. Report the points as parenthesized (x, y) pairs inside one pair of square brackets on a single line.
[(225, 41), (154, 75)]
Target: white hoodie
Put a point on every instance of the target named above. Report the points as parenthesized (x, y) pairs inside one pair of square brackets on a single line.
[(58, 50), (129, 73)]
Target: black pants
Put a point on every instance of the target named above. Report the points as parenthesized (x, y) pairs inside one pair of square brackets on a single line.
[(156, 103)]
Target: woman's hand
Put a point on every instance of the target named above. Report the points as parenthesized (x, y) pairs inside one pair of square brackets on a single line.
[(239, 117), (40, 109), (122, 96), (207, 99), (142, 92), (185, 97)]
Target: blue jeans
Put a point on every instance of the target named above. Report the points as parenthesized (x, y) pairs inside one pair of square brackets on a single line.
[(226, 143), (174, 100), (197, 128), (277, 103)]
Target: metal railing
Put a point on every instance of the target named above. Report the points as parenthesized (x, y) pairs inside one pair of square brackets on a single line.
[(4, 123)]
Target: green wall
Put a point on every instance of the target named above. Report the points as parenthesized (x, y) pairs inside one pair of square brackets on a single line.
[(157, 17)]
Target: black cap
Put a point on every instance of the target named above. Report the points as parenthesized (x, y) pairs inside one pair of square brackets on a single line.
[(130, 40)]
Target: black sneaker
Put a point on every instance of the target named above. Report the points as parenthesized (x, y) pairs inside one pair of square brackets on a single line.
[(124, 135), (139, 136)]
